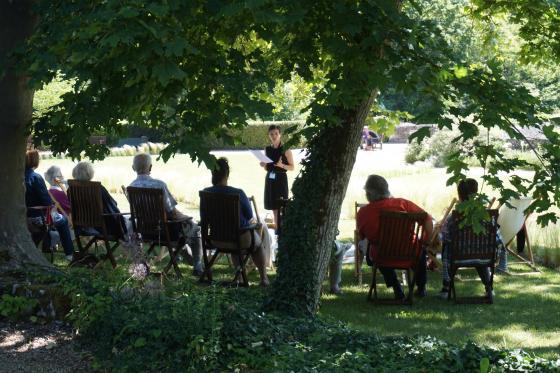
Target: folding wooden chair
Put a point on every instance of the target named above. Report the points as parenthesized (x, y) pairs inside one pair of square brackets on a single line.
[(221, 232), (39, 232), (471, 250), (150, 220), (399, 247), (87, 214), (358, 257)]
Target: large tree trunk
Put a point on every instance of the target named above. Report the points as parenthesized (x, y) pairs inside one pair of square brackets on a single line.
[(17, 251), (311, 220)]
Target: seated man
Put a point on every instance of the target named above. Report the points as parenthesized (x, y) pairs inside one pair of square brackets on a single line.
[(465, 189), (379, 197), (220, 176), (142, 164)]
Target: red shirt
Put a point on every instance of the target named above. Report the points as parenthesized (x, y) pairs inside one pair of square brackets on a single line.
[(368, 216)]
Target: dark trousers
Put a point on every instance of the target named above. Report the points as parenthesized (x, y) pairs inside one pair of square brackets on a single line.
[(390, 275), (61, 225)]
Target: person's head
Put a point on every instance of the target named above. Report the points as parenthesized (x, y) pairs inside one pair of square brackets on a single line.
[(376, 188), (274, 134), (83, 171), (466, 188), (220, 173), (53, 175), (32, 159), (142, 164)]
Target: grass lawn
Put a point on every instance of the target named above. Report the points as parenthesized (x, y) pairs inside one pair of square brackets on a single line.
[(525, 313)]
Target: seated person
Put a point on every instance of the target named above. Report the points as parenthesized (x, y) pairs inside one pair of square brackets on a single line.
[(379, 197), (116, 225), (142, 165), (36, 195), (54, 177), (465, 189), (220, 176)]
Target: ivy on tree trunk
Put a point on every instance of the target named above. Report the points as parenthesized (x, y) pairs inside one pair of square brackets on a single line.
[(311, 220), (17, 251)]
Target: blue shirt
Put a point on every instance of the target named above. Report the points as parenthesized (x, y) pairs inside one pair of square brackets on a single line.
[(246, 212), (146, 181), (35, 193)]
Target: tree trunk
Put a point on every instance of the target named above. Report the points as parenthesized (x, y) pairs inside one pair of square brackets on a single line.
[(17, 251), (311, 222)]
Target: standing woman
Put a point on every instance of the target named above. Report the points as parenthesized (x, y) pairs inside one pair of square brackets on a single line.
[(276, 183)]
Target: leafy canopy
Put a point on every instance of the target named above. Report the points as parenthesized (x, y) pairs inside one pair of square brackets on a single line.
[(200, 67)]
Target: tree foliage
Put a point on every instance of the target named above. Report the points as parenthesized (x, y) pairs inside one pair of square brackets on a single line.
[(200, 67)]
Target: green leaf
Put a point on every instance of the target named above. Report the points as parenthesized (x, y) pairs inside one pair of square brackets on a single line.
[(140, 342), (484, 365), (167, 72), (419, 134)]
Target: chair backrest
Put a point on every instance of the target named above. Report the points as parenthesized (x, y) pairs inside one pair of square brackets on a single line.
[(147, 212), (400, 236), (219, 216), (86, 203), (466, 244), (357, 206)]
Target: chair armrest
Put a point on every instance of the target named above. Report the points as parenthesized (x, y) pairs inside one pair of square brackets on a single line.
[(250, 227), (180, 220), (39, 207), (116, 214)]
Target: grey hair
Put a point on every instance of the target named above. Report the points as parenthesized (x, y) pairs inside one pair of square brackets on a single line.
[(376, 188), (142, 163), (83, 171), (52, 174)]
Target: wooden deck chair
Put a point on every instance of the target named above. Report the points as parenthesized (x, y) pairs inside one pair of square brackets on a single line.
[(40, 231), (399, 247), (221, 232), (87, 214), (358, 256), (123, 188), (149, 219), (471, 250)]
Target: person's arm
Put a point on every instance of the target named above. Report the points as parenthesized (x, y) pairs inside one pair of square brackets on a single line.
[(289, 158), (40, 190), (246, 209), (428, 223), (168, 200)]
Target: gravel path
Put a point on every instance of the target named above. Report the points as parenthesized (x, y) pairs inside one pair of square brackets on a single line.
[(27, 347)]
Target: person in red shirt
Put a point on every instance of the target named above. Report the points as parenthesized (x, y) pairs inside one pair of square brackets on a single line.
[(379, 197)]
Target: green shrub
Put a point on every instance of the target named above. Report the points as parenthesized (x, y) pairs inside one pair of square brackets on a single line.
[(194, 329), (442, 144), (17, 308)]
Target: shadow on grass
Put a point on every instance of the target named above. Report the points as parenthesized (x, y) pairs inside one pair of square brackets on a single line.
[(524, 314)]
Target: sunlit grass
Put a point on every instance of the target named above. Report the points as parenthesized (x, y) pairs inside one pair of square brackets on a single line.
[(524, 313)]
